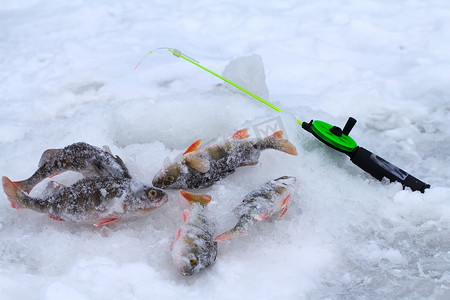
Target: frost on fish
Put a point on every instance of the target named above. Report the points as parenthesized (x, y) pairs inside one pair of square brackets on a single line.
[(271, 198), (79, 157), (202, 167), (193, 248), (97, 200)]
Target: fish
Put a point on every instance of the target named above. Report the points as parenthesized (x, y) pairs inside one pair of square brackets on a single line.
[(80, 157), (201, 167), (270, 199), (193, 248), (96, 200)]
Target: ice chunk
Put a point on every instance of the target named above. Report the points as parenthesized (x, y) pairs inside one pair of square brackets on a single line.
[(247, 72)]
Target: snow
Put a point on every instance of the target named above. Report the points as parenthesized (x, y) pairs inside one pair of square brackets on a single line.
[(67, 75)]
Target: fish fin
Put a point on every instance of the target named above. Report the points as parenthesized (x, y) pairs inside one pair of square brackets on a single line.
[(175, 239), (56, 218), (53, 186), (191, 198), (122, 164), (22, 185), (228, 236), (262, 216), (285, 205), (249, 163), (12, 191), (198, 164), (282, 144), (194, 146), (186, 214), (278, 134), (106, 222), (56, 174), (49, 153), (107, 149), (98, 167), (241, 134)]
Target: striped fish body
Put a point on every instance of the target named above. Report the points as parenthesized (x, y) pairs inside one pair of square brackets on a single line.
[(272, 198), (193, 248), (79, 157), (95, 201), (202, 167)]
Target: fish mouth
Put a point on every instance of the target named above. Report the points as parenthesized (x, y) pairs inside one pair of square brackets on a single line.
[(157, 183), (157, 202), (187, 272), (160, 201)]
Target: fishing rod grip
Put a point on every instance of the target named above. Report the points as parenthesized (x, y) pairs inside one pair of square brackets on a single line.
[(379, 168)]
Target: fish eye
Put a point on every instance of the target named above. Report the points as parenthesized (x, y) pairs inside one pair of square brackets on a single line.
[(169, 179), (193, 261), (152, 194)]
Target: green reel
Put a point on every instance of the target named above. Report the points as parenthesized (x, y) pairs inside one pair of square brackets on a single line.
[(333, 136)]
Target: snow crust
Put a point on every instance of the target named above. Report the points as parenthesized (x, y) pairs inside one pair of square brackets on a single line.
[(67, 75)]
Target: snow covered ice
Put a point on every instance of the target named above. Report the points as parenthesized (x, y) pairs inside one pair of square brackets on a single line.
[(67, 75)]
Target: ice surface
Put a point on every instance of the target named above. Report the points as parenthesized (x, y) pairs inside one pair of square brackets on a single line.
[(67, 75)]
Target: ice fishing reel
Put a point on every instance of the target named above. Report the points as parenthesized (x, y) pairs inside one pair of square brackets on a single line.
[(376, 166)]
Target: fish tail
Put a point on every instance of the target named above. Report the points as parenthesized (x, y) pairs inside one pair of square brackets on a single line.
[(12, 191), (276, 141), (229, 235), (23, 185), (192, 198)]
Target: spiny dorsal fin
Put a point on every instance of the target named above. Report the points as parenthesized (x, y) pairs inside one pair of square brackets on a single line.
[(192, 198), (241, 134), (107, 149), (47, 155), (194, 146)]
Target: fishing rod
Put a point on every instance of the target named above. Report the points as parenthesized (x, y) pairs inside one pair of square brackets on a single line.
[(336, 138)]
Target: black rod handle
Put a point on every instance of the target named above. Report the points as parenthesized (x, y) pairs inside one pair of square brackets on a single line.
[(379, 168)]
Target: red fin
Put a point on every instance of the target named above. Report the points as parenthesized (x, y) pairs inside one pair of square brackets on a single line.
[(186, 214), (22, 185), (191, 198), (285, 205), (106, 222), (12, 191), (56, 174), (240, 134), (194, 146), (262, 217), (56, 218), (176, 238), (278, 134), (282, 144), (228, 236)]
